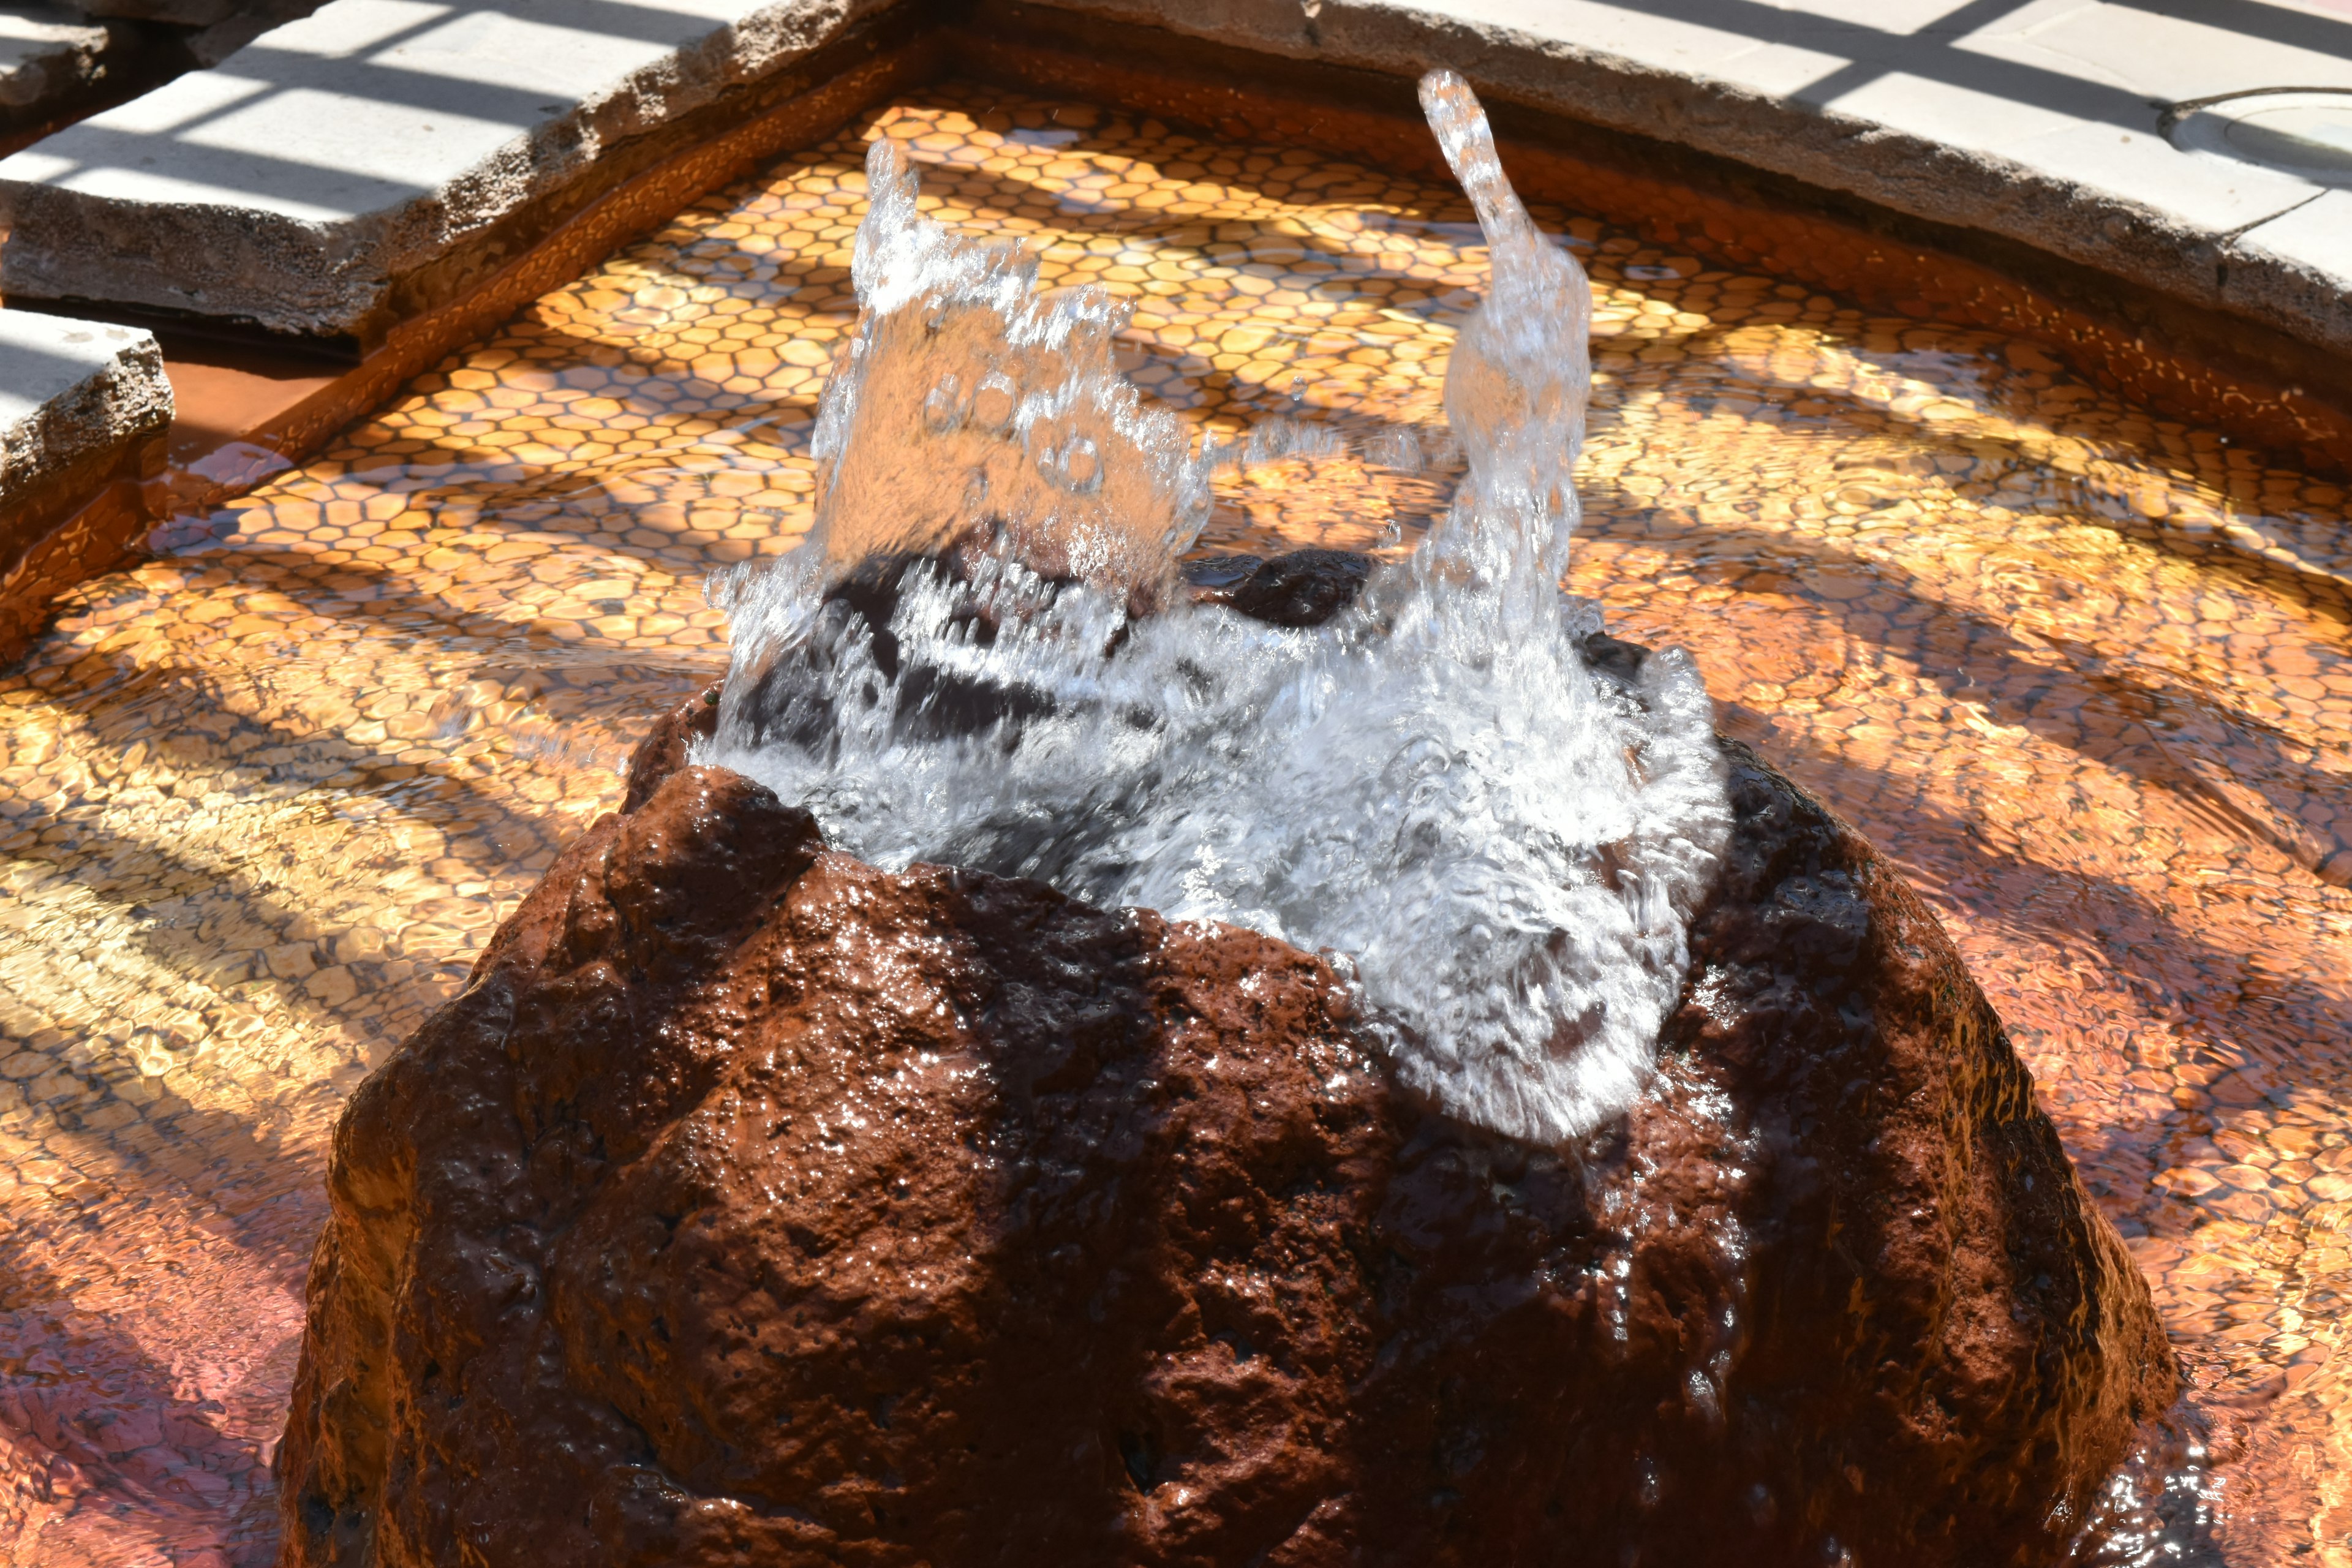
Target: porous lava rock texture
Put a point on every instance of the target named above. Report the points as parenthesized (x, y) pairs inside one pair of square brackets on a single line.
[(753, 1206)]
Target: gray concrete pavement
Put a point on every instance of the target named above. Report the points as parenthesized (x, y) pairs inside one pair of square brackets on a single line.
[(2041, 120), (318, 172), (303, 184)]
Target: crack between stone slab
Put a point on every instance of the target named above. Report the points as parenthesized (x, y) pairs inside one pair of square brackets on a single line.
[(2174, 113), (2225, 245), (2229, 237)]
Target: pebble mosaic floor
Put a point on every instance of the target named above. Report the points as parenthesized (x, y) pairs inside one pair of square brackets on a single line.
[(2085, 674)]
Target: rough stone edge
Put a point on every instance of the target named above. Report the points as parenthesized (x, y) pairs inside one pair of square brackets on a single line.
[(335, 280), (339, 279), (115, 511), (70, 498), (117, 406), (1910, 174), (73, 82), (47, 74)]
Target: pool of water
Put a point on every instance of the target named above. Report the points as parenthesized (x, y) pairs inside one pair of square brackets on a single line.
[(2083, 673)]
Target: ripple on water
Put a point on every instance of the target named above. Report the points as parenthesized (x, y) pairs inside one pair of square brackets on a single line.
[(2084, 673)]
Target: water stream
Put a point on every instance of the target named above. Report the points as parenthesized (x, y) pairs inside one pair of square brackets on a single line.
[(2084, 672), (1503, 848)]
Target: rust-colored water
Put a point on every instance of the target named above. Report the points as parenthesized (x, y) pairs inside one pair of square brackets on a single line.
[(2085, 674)]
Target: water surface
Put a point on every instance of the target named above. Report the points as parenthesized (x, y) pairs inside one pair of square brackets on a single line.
[(2085, 674)]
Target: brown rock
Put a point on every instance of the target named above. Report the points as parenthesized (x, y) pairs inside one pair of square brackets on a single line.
[(663, 751), (789, 698), (753, 1205), (1301, 588)]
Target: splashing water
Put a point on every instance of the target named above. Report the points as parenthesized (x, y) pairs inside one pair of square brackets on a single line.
[(981, 656), (969, 402)]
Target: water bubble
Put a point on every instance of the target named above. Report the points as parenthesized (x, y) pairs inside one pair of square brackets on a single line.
[(946, 406), (1076, 464), (993, 402)]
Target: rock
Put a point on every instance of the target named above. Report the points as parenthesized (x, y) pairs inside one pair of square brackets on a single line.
[(663, 751), (1614, 657), (1302, 588), (752, 1204)]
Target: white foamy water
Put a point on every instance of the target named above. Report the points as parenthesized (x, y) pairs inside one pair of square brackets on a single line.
[(983, 656)]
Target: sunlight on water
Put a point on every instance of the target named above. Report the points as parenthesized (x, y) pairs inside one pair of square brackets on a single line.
[(2082, 671)]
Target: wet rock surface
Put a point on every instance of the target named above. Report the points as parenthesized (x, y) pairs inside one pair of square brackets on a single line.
[(1298, 588), (790, 698), (752, 1204)]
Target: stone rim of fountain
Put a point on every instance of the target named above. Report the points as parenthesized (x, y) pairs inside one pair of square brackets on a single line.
[(2305, 131), (2212, 304)]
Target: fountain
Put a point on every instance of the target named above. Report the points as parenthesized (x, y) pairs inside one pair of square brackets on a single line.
[(2072, 659), (921, 1125), (1505, 848)]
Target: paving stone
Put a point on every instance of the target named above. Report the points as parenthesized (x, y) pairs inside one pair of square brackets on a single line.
[(333, 174), (49, 60), (1997, 117)]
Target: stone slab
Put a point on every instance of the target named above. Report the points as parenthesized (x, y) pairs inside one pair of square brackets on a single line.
[(2042, 121), (2309, 249), (50, 58), (174, 13), (72, 390), (83, 410), (333, 177), (319, 181), (209, 46)]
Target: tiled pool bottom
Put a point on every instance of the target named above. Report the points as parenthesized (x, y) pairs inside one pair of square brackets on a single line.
[(2085, 675)]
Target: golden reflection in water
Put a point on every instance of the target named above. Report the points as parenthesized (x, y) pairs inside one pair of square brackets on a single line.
[(2083, 673)]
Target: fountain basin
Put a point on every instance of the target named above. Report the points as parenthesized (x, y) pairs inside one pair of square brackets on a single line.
[(2068, 658)]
